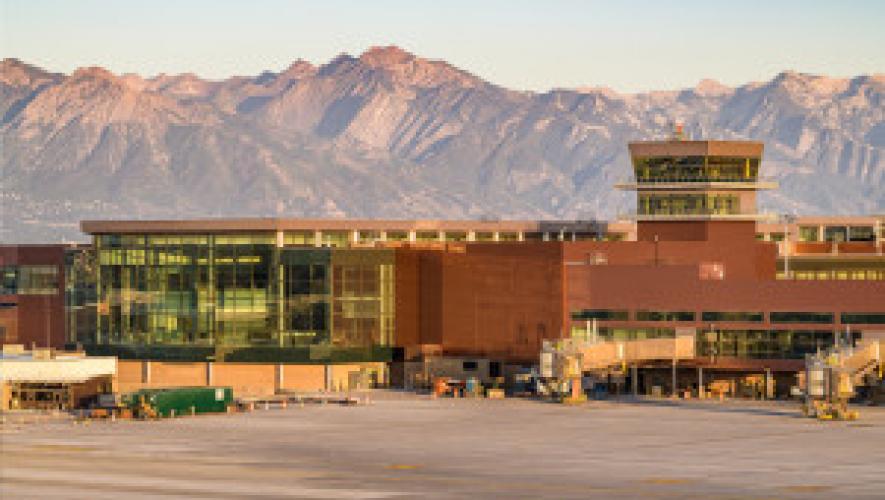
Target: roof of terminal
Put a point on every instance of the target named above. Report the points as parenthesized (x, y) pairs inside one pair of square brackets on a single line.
[(293, 224)]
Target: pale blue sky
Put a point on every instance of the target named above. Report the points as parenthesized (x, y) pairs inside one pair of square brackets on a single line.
[(537, 45)]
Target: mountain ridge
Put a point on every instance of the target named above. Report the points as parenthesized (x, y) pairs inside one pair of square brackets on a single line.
[(391, 134)]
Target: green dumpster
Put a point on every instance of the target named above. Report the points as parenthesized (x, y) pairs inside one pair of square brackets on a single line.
[(183, 401)]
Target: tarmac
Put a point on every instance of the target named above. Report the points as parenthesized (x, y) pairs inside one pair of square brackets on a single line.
[(408, 446)]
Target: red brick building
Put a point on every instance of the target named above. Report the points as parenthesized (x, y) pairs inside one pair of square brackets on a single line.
[(32, 298)]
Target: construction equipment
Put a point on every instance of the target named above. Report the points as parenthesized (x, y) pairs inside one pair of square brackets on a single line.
[(831, 378)]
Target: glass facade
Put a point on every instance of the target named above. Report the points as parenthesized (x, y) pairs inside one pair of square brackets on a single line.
[(456, 235), (763, 344), (809, 233), (624, 334), (863, 318), (836, 234), (861, 233), (426, 235), (733, 316), (801, 317), (80, 293), (664, 316), (229, 292), (752, 343), (688, 204), (600, 314), (696, 169), (29, 280), (811, 268)]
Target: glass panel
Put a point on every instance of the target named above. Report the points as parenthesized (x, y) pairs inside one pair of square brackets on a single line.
[(696, 169), (299, 238), (801, 317), (426, 235), (863, 318), (687, 204), (836, 233), (335, 238), (456, 235), (369, 236), (748, 317), (29, 280), (600, 314), (9, 283), (861, 233), (533, 236), (664, 316), (762, 344), (241, 239), (397, 236), (809, 233), (362, 298), (623, 334)]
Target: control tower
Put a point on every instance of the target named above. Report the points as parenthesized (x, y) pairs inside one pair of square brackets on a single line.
[(688, 190)]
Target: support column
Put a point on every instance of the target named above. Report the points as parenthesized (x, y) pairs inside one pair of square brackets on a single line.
[(700, 382), (674, 389), (280, 286), (634, 379), (328, 376), (210, 376), (766, 393)]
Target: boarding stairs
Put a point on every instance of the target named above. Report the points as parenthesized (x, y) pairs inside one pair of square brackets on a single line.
[(862, 360)]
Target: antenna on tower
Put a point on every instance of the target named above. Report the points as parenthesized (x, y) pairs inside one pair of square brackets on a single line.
[(678, 132)]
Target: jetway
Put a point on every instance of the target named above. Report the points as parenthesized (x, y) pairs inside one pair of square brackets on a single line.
[(564, 362), (832, 378), (608, 354)]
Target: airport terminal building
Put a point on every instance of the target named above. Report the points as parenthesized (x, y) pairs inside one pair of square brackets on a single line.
[(696, 258)]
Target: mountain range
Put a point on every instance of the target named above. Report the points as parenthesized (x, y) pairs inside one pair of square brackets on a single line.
[(393, 135)]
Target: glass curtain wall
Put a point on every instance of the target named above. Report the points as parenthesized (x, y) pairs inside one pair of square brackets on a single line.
[(29, 280), (762, 344), (688, 204), (696, 169), (362, 298), (241, 291)]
